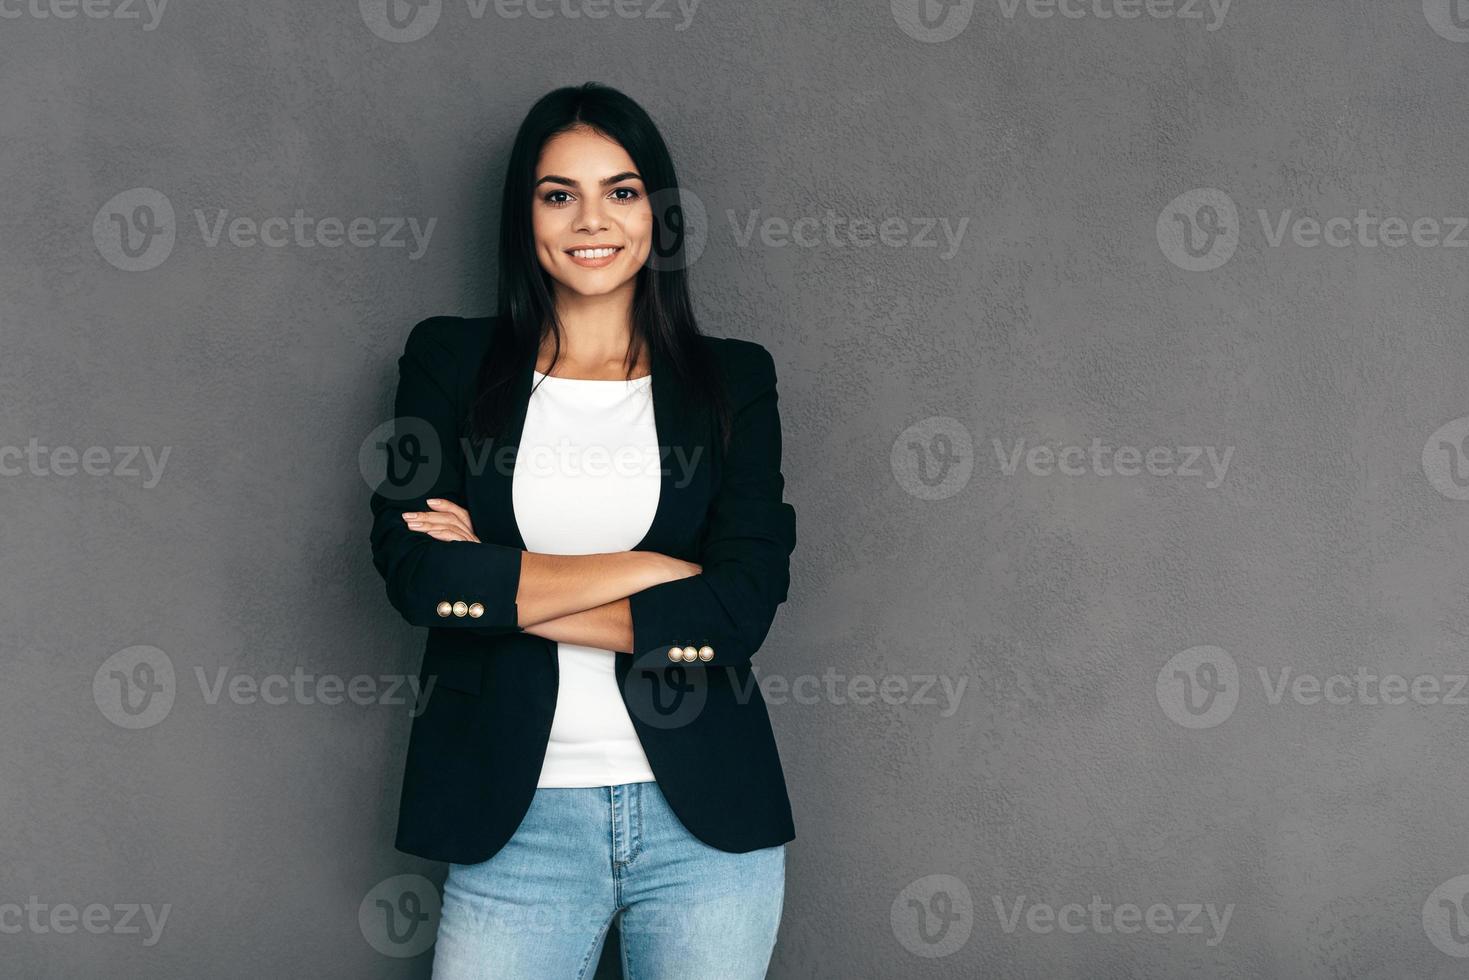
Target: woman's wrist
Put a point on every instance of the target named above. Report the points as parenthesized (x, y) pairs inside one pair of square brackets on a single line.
[(654, 568), (647, 569)]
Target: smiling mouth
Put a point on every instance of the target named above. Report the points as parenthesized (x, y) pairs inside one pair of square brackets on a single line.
[(591, 254)]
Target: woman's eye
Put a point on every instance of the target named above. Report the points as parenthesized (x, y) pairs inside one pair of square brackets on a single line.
[(557, 198), (625, 194)]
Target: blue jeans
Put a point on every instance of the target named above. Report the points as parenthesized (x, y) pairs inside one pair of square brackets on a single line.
[(541, 907)]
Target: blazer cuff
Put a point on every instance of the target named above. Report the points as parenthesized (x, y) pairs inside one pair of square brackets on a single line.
[(673, 618), (464, 584)]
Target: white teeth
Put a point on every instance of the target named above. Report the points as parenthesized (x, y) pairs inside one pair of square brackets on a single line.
[(592, 253)]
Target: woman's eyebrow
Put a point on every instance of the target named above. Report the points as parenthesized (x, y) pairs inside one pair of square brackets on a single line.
[(567, 181)]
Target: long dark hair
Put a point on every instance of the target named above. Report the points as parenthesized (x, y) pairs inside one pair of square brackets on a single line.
[(662, 314)]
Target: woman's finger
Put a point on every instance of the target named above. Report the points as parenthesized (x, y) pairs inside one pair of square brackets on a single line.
[(451, 534), (449, 507), (438, 525), (438, 520), (419, 522)]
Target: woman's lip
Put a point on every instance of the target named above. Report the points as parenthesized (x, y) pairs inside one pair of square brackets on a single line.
[(595, 263)]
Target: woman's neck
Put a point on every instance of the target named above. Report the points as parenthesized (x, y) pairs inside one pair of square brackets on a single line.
[(595, 334)]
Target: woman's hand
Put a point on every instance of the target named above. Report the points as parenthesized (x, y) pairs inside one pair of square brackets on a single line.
[(447, 521)]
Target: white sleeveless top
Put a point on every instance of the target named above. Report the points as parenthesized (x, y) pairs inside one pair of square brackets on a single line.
[(586, 481)]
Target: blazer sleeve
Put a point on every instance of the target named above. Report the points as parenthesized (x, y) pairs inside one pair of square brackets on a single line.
[(745, 554), (426, 460)]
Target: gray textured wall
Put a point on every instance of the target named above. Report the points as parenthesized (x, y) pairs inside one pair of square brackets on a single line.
[(1131, 507)]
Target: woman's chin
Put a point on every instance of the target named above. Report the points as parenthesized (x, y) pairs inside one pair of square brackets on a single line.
[(590, 285)]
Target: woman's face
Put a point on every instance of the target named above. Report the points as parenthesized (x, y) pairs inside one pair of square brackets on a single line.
[(593, 226)]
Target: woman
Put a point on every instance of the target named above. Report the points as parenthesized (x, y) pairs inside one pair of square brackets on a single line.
[(583, 505)]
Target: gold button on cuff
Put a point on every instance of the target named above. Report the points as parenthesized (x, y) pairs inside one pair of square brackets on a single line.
[(476, 610), (445, 608), (460, 609), (706, 653), (675, 654), (690, 655)]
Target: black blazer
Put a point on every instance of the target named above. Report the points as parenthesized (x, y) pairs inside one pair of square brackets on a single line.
[(476, 748)]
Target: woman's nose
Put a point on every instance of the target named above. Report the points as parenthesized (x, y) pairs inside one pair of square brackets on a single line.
[(591, 218)]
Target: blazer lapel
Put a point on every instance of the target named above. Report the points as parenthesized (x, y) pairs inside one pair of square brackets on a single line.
[(683, 493), (494, 517)]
